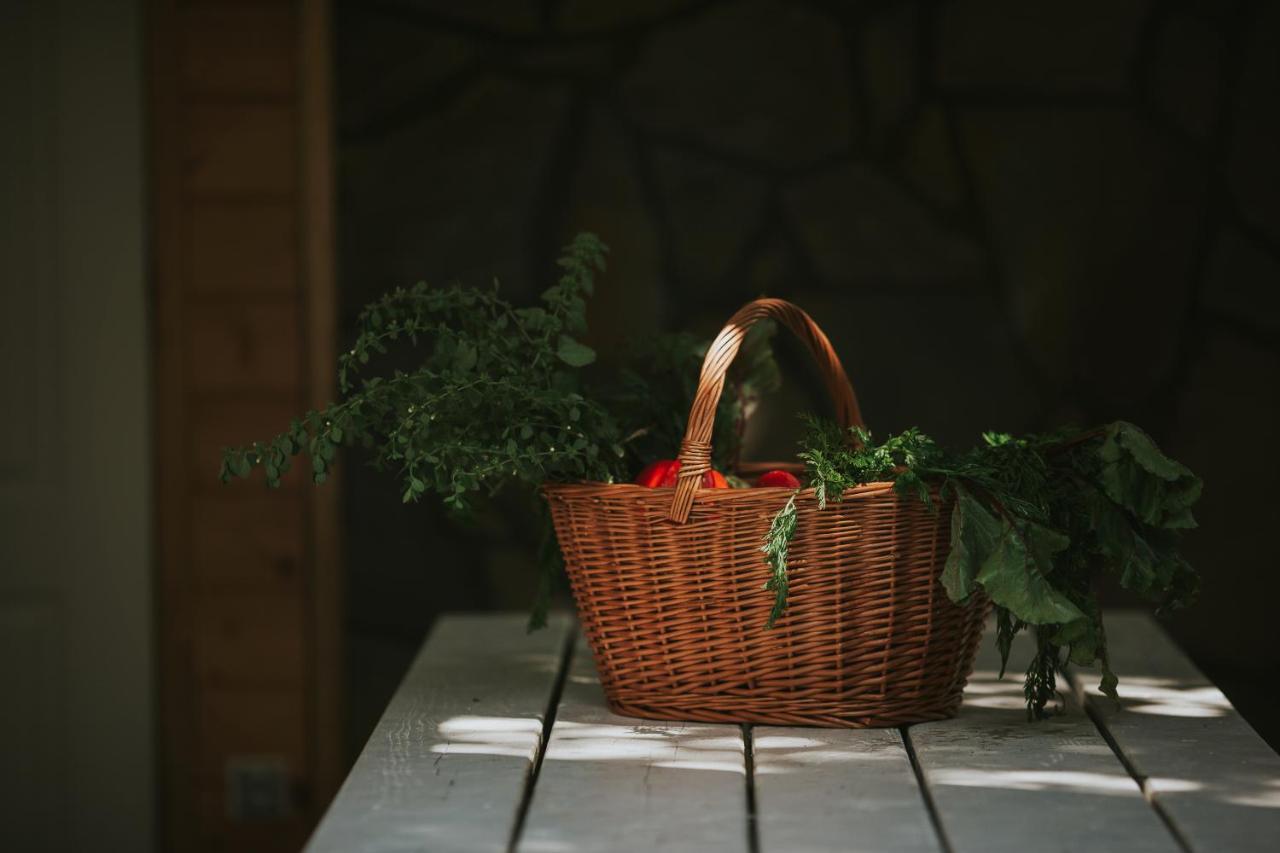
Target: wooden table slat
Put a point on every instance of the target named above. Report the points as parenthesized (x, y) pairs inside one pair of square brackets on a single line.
[(447, 765), (454, 764), (1206, 768), (619, 783), (838, 789), (1002, 783)]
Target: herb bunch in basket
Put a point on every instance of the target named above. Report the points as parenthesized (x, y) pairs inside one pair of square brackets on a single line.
[(1035, 521)]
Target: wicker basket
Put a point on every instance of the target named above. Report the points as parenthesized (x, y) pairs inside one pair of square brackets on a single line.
[(670, 590)]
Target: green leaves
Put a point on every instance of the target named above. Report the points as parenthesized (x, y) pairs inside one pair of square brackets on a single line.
[(1010, 558), (463, 394), (1015, 576), (974, 533), (1138, 477), (1034, 520), (573, 353), (838, 459), (494, 399)]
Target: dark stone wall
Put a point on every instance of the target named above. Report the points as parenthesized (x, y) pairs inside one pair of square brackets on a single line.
[(1006, 215)]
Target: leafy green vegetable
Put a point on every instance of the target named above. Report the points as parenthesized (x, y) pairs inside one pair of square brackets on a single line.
[(1033, 521), (1138, 477), (1009, 559)]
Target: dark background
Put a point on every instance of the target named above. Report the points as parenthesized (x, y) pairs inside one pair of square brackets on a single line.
[(1006, 215)]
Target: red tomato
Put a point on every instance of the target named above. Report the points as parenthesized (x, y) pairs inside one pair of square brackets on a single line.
[(662, 475), (777, 480)]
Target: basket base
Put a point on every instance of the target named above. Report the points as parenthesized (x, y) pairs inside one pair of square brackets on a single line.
[(827, 718)]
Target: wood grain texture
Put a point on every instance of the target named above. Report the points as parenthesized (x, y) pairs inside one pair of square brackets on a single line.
[(237, 250), (1199, 761), (244, 347), (237, 724), (838, 789), (1001, 783), (244, 340), (446, 767), (240, 148), (239, 51), (316, 249), (451, 760), (250, 639), (266, 555), (614, 783)]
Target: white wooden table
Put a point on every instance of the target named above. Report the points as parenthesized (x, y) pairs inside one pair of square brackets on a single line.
[(500, 740)]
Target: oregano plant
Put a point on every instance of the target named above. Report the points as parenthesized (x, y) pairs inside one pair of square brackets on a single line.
[(497, 399), (505, 396)]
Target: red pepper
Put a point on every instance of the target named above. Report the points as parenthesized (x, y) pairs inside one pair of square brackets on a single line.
[(663, 473), (777, 480)]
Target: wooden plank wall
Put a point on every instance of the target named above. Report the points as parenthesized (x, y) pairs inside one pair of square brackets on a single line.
[(247, 580)]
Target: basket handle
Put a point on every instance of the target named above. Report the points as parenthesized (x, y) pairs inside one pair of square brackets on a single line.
[(695, 449)]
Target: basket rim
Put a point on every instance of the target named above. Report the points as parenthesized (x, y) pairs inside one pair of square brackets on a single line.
[(587, 488)]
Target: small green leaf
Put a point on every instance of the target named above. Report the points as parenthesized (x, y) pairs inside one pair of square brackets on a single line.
[(973, 535), (464, 357), (573, 353), (1009, 559), (1014, 574), (1136, 475)]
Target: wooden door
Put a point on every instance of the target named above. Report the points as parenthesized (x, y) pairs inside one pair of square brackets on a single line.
[(75, 600), (242, 250)]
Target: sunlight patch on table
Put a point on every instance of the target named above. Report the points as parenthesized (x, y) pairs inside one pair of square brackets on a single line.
[(1168, 697), (1052, 780), (519, 737)]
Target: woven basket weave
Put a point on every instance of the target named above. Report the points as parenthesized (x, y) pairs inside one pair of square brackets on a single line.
[(669, 585)]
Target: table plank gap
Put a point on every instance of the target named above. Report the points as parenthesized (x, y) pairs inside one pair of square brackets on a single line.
[(448, 764), (1200, 764), (926, 796), (838, 789), (1143, 782), (620, 783), (748, 752), (548, 722), (999, 782)]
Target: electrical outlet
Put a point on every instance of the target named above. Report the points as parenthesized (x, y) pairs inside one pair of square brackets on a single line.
[(259, 788)]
